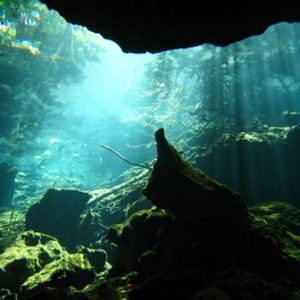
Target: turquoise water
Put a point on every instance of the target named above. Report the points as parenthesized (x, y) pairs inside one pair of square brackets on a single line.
[(65, 91)]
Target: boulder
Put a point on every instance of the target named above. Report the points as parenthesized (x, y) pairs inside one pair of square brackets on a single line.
[(27, 255), (71, 270), (181, 189), (36, 261), (199, 228), (58, 214)]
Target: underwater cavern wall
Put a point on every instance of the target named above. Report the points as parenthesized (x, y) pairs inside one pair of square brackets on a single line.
[(233, 112)]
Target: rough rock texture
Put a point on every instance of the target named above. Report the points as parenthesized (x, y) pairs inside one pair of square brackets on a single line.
[(72, 270), (96, 291), (29, 254), (176, 186), (37, 260), (154, 27), (226, 284), (136, 235), (199, 246), (7, 184), (281, 224), (97, 257), (166, 252), (58, 214)]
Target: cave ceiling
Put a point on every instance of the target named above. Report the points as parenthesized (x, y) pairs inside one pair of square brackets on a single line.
[(155, 27)]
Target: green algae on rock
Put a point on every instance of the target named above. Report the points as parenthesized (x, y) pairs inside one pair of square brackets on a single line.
[(37, 260)]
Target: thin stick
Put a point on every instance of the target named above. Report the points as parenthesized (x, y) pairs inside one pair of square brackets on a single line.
[(123, 158)]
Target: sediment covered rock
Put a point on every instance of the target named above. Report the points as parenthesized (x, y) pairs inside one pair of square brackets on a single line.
[(58, 214), (206, 232), (36, 261), (181, 189)]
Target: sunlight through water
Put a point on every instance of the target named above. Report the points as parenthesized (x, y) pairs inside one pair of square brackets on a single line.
[(65, 90)]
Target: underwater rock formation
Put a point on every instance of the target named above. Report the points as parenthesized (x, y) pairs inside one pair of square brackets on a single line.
[(172, 251), (37, 260), (7, 184), (176, 186), (155, 29), (222, 285), (100, 290), (136, 235), (58, 214), (200, 246), (72, 270), (97, 257)]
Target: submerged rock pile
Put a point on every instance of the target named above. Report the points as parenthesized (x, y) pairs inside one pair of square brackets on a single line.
[(195, 238), (206, 240), (36, 261)]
